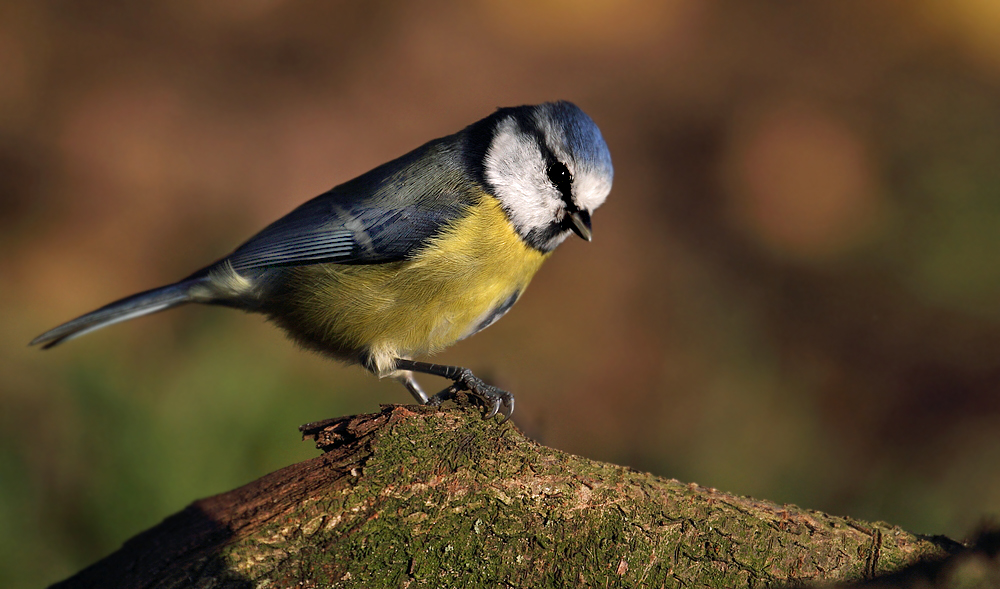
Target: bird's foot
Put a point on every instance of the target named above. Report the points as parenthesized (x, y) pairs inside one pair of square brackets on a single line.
[(494, 400)]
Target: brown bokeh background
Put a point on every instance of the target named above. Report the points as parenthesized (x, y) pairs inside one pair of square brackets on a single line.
[(792, 291)]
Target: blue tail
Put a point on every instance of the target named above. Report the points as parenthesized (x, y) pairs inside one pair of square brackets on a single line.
[(131, 307)]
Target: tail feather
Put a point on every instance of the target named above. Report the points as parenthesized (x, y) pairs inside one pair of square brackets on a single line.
[(137, 305)]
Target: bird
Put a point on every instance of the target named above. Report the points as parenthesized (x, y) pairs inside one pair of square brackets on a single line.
[(412, 256)]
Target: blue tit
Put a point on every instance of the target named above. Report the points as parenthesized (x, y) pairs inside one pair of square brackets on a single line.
[(412, 256)]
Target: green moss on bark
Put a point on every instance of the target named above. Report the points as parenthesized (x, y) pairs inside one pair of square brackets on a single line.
[(413, 497)]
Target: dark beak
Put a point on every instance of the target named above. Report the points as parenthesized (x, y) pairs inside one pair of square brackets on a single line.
[(580, 223)]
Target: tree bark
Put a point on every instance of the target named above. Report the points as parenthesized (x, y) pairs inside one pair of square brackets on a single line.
[(418, 497)]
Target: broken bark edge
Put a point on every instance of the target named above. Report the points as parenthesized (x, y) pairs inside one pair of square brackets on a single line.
[(422, 496)]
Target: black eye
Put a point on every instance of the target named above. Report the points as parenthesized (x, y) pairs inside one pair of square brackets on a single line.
[(561, 179)]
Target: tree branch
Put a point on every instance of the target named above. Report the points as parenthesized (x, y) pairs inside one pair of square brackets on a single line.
[(413, 496)]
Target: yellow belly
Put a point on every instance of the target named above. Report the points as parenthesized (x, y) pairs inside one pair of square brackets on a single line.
[(418, 306)]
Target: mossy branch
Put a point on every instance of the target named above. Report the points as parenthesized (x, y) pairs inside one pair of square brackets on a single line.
[(413, 497)]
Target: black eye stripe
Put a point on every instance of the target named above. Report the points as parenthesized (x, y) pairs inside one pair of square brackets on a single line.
[(560, 177)]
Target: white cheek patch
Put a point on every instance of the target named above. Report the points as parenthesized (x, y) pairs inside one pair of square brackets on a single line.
[(515, 168), (590, 190)]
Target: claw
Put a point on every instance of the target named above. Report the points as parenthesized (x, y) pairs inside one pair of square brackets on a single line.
[(508, 407), (495, 401), (494, 408)]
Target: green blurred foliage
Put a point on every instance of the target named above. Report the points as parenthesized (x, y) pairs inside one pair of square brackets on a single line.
[(792, 292)]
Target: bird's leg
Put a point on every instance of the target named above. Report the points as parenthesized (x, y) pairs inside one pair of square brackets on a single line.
[(496, 400), (414, 387)]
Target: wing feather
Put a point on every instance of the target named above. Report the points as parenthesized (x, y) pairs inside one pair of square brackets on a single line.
[(381, 216)]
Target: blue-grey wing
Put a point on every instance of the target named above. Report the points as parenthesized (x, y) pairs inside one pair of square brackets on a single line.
[(325, 230), (381, 216)]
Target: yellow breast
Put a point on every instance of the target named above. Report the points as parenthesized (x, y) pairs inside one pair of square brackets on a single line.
[(418, 306)]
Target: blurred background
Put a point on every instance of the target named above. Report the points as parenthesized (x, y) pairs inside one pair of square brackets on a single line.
[(793, 290)]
